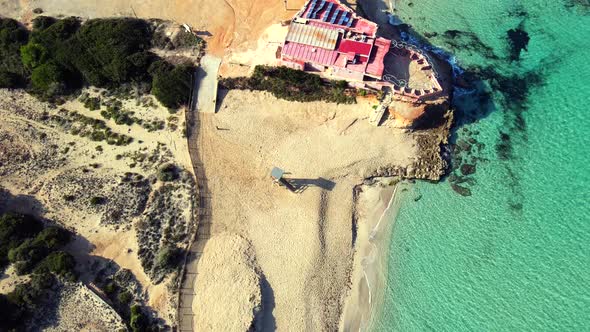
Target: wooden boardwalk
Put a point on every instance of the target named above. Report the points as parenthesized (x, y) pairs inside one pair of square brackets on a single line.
[(194, 136)]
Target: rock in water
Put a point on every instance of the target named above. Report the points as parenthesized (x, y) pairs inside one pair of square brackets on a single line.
[(467, 169), (461, 190), (519, 40)]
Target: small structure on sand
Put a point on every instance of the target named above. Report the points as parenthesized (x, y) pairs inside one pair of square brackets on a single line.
[(277, 175)]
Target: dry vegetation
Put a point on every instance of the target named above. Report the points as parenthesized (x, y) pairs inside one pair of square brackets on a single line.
[(105, 190)]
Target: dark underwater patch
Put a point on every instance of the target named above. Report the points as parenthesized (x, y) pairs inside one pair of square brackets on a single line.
[(581, 6), (518, 10), (519, 40), (497, 86), (511, 92), (468, 41), (517, 207), (504, 147)]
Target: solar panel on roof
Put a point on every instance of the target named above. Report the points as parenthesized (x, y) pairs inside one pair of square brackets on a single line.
[(342, 18), (327, 12), (317, 11), (311, 8), (336, 13), (349, 24)]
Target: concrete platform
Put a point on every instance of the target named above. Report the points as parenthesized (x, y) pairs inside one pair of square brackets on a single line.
[(206, 83)]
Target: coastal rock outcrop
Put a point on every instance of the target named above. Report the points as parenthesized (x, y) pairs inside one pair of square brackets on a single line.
[(432, 161)]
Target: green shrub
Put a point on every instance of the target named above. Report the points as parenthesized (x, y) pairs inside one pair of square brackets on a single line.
[(47, 80), (92, 103), (69, 198), (167, 258), (98, 136), (14, 229), (185, 39), (98, 200), (58, 262), (12, 37), (125, 297), (171, 87), (294, 85), (167, 172)]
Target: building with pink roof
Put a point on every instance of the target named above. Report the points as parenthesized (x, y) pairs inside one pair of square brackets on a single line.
[(328, 37)]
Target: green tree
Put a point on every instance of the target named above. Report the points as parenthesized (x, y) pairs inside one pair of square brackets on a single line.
[(53, 237), (138, 321), (12, 37), (33, 55), (14, 229), (125, 297), (43, 22), (172, 87), (103, 50), (9, 80), (27, 255), (59, 262), (48, 80)]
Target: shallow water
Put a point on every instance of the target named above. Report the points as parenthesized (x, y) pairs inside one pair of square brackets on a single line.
[(514, 255)]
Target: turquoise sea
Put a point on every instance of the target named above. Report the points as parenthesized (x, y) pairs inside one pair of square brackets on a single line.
[(515, 255)]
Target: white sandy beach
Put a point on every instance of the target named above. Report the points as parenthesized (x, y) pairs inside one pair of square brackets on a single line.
[(304, 243)]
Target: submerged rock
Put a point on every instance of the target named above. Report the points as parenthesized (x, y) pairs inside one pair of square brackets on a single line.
[(467, 169), (453, 178), (461, 190), (463, 146), (519, 40)]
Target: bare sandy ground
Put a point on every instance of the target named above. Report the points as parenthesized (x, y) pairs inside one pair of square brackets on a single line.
[(228, 257), (302, 242), (377, 201)]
